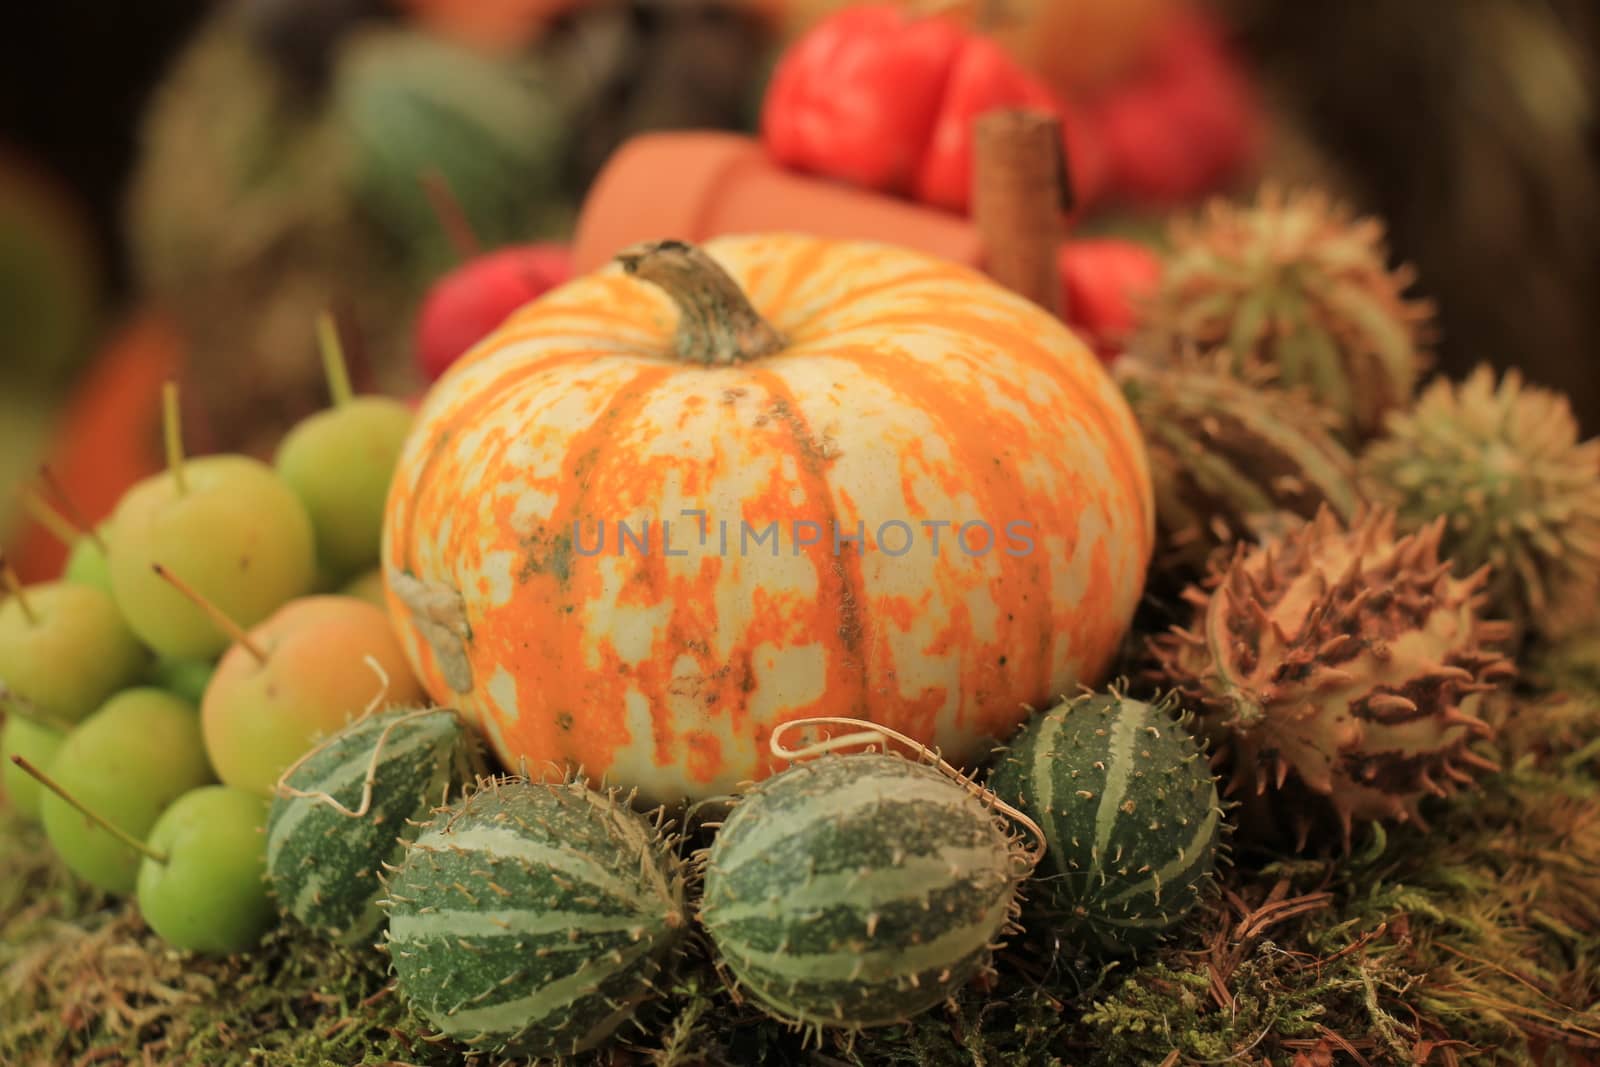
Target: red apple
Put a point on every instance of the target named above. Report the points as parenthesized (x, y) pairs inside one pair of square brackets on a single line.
[(1186, 123), (467, 304), (1103, 280)]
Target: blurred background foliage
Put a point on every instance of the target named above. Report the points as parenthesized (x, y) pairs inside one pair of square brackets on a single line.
[(184, 184)]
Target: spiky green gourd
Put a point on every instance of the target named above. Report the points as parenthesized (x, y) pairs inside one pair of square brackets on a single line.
[(329, 833), (1343, 661), (534, 918), (1503, 465), (855, 891), (1293, 281), (1129, 810), (1228, 450)]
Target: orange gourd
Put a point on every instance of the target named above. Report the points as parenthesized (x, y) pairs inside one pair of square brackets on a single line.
[(109, 434), (859, 384)]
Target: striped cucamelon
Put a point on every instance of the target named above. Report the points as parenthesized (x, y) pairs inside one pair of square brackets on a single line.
[(328, 836), (858, 890), (1130, 817), (532, 919)]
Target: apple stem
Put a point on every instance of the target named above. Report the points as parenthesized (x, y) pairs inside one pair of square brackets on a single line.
[(451, 215), (70, 508), (14, 703), (13, 585), (334, 367), (100, 820), (234, 631), (172, 430), (39, 509)]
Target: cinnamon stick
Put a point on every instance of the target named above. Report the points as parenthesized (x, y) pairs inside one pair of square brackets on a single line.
[(1020, 192)]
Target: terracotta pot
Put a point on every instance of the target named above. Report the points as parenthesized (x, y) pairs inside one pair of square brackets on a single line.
[(695, 185)]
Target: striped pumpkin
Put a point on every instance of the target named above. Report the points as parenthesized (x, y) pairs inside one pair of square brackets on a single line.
[(856, 891), (1130, 816), (532, 919), (877, 389), (328, 833)]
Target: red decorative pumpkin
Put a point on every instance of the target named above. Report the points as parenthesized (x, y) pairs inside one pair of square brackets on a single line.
[(624, 532)]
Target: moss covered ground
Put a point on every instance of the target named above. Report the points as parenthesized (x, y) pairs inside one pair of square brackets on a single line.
[(1474, 942)]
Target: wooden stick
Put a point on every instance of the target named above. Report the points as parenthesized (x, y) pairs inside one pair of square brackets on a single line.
[(333, 364), (14, 703), (235, 632), (69, 507), (105, 824), (172, 434), (13, 585), (451, 215), (42, 512), (1020, 191)]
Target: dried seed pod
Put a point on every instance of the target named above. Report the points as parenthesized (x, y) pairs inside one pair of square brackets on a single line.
[(1342, 659), (1229, 449), (1503, 465), (1294, 282)]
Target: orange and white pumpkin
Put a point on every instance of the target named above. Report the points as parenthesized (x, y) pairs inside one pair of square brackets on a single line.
[(744, 444)]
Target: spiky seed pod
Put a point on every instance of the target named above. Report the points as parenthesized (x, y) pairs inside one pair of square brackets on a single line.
[(1130, 816), (532, 919), (1294, 281), (348, 808), (859, 890), (1230, 447), (1343, 658), (1503, 464)]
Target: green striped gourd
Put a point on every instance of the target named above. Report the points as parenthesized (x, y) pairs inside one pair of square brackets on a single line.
[(854, 891), (532, 919), (328, 834), (1129, 811), (1230, 449)]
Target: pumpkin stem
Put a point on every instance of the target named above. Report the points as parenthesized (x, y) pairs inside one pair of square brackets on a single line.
[(717, 325)]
